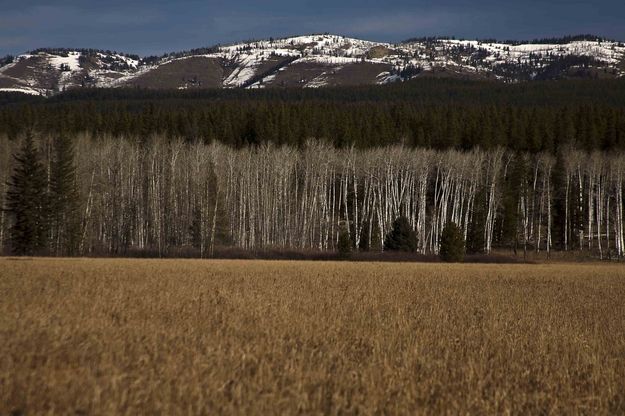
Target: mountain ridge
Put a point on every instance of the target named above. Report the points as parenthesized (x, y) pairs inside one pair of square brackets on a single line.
[(312, 61)]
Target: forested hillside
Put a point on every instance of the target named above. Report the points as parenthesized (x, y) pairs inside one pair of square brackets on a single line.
[(522, 167)]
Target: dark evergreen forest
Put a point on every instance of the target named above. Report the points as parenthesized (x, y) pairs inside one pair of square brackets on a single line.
[(434, 113)]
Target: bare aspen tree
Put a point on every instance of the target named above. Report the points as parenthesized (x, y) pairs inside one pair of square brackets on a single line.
[(617, 171), (494, 165)]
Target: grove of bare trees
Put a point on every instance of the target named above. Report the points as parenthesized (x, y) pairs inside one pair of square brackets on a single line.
[(160, 195)]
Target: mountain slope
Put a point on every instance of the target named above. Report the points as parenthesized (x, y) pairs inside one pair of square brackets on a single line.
[(314, 61)]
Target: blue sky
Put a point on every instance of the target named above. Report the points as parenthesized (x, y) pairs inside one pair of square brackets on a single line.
[(154, 26)]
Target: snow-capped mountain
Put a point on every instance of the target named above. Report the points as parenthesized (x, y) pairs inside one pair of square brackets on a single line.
[(313, 61)]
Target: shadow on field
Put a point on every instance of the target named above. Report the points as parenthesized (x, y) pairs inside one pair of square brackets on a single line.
[(359, 256), (231, 253)]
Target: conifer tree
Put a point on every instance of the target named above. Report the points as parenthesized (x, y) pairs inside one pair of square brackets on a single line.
[(452, 243), (27, 201), (402, 237), (64, 199)]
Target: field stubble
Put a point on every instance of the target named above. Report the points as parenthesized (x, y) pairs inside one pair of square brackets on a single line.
[(112, 336)]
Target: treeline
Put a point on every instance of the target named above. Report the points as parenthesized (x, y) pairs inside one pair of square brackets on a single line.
[(537, 117), (554, 41), (161, 196), (85, 51), (425, 91)]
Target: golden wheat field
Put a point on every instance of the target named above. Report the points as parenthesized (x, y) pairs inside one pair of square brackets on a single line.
[(85, 336)]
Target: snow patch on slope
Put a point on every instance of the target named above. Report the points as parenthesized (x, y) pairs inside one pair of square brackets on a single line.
[(70, 61), (23, 90)]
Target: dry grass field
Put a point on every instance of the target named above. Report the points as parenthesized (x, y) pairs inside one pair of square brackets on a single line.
[(84, 336)]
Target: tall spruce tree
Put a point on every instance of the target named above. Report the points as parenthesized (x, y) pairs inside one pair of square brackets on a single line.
[(27, 201), (402, 237), (64, 199), (452, 243)]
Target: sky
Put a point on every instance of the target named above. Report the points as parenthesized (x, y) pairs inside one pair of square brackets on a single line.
[(153, 27)]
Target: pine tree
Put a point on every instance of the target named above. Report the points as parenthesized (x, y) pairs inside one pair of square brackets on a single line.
[(402, 237), (64, 199), (27, 201), (452, 243)]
